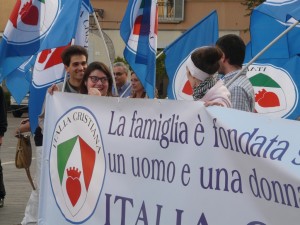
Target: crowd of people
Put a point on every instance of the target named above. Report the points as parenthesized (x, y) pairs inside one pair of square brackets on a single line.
[(208, 69)]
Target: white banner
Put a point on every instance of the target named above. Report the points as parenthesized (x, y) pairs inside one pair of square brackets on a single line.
[(113, 161)]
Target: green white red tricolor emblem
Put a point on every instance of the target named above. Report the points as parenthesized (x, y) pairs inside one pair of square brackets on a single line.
[(77, 164), (275, 91)]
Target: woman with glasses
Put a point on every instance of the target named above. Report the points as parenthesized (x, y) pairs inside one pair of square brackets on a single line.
[(97, 80)]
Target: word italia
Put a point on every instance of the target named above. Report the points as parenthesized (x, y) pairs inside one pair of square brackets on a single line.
[(127, 206)]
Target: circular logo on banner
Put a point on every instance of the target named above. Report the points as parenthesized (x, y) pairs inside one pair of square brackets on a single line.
[(77, 164), (275, 91), (28, 20)]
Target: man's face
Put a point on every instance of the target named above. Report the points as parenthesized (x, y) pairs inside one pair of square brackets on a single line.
[(77, 66), (120, 76)]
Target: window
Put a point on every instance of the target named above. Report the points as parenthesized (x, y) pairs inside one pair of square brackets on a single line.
[(170, 10)]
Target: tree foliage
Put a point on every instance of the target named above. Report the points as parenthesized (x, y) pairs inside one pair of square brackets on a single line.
[(251, 4)]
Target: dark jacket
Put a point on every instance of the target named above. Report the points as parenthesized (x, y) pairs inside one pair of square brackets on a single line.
[(3, 116)]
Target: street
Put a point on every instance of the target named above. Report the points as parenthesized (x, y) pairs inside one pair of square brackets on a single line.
[(16, 183)]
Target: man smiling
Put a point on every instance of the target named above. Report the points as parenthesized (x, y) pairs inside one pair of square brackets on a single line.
[(75, 61)]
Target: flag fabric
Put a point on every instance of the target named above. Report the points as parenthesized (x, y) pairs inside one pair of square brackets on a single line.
[(139, 32), (275, 76), (36, 25), (278, 9), (48, 67), (269, 20), (204, 33), (18, 81)]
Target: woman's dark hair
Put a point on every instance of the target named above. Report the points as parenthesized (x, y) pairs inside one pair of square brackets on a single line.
[(97, 66), (207, 59)]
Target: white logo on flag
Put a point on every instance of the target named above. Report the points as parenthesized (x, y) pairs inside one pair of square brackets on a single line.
[(28, 22)]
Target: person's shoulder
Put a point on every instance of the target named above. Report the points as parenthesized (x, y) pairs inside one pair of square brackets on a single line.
[(127, 84), (244, 82), (241, 81)]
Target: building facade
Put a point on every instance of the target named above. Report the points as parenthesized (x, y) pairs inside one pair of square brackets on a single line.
[(175, 17)]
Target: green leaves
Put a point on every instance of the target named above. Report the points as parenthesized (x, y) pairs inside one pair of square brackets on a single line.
[(251, 4)]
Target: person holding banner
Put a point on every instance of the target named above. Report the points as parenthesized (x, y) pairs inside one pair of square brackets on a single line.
[(201, 67), (241, 90), (97, 80), (75, 61)]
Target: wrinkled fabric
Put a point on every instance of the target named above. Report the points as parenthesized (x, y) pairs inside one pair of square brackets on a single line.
[(218, 93)]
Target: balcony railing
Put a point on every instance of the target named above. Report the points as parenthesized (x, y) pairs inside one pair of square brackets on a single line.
[(170, 10)]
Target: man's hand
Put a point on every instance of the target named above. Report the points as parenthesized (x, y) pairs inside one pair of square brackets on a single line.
[(52, 89), (24, 127), (25, 121), (211, 103)]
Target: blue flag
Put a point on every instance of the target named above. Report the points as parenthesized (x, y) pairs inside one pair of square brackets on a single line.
[(139, 32), (275, 75), (36, 25), (204, 33), (268, 21), (48, 67), (18, 81)]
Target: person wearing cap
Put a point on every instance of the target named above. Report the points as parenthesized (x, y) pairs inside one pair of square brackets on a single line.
[(202, 66)]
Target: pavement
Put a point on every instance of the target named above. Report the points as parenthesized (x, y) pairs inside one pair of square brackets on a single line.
[(17, 186)]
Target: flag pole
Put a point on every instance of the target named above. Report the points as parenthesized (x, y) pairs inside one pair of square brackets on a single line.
[(159, 54), (107, 52), (129, 86), (65, 81), (260, 53)]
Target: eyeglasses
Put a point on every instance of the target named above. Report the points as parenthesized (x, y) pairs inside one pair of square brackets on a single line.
[(95, 79), (118, 74)]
